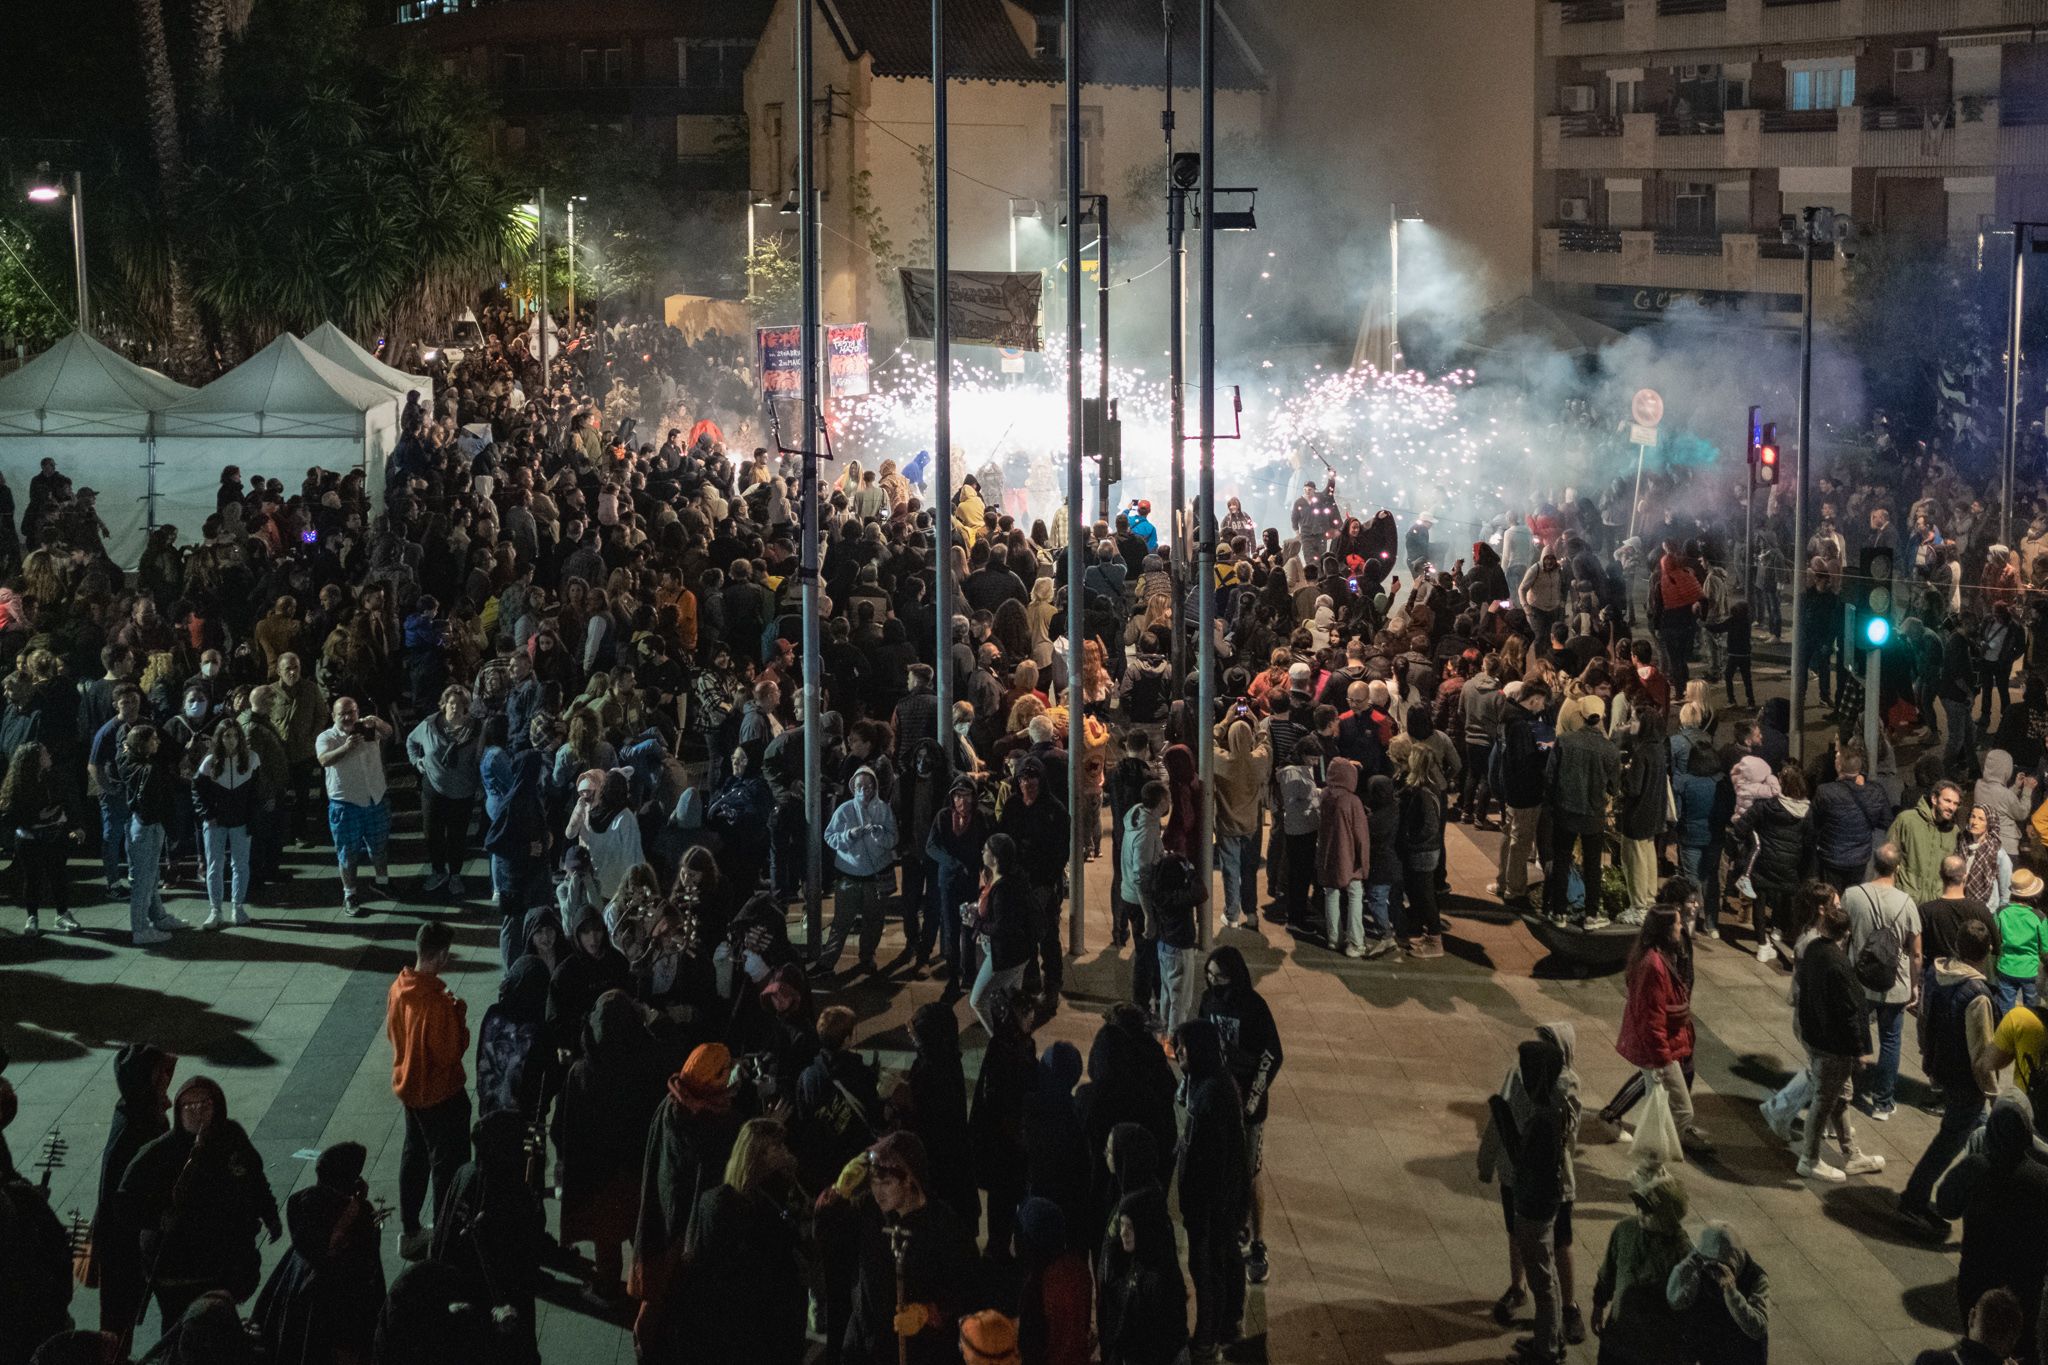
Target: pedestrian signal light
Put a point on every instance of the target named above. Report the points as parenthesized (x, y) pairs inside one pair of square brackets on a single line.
[(1767, 455)]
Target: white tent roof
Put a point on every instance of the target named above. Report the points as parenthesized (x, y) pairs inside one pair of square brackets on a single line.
[(80, 388), (341, 348), (285, 389)]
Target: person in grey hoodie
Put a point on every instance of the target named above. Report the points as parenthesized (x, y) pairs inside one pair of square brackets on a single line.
[(1723, 1301), (2009, 801), (1479, 701), (1497, 1158), (447, 749)]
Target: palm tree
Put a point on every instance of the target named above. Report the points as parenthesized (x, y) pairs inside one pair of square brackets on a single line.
[(181, 325)]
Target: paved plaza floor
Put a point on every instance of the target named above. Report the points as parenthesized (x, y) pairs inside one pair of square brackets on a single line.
[(1385, 1247)]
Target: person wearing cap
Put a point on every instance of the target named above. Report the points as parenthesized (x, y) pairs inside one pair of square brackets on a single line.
[(939, 1264), (989, 1338), (1142, 527)]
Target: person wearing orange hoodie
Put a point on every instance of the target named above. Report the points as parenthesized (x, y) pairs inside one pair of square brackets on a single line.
[(429, 1031)]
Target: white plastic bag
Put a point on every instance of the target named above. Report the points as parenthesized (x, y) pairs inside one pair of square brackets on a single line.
[(1656, 1141)]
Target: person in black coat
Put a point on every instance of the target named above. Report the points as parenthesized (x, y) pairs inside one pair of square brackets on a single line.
[(1214, 1170), (1036, 817), (601, 1136), (958, 834), (590, 966), (995, 1125), (939, 1274), (142, 1073), (320, 1305), (1252, 1052), (2000, 1191), (937, 1102), (490, 1230), (1058, 1164), (1129, 1082), (199, 1197), (1141, 1296)]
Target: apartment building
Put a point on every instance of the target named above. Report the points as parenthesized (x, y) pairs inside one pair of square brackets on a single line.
[(1679, 132), (667, 73)]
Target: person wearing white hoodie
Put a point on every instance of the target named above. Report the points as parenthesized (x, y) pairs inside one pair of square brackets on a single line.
[(862, 837)]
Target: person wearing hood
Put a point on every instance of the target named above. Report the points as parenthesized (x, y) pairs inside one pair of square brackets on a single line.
[(1036, 819), (207, 1332), (838, 1103), (936, 1279), (515, 840), (1130, 1082), (935, 1095), (1583, 770), (953, 844), (1499, 1154), (490, 1230), (862, 837), (509, 1059), (1960, 1056), (1632, 1310), (1141, 1295), (1244, 767), (1344, 848), (1055, 1302), (1538, 1144), (142, 1074), (2008, 799), (688, 1144), (1057, 1165), (429, 1031), (590, 966), (1213, 1169), (1782, 826), (600, 1134), (199, 1197), (320, 1305), (2000, 1191), (1252, 1052), (1723, 1301)]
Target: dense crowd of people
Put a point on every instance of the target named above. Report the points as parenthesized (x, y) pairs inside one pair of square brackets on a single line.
[(573, 652)]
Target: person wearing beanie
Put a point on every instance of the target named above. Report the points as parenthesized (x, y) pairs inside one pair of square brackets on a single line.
[(1723, 1301), (1214, 1171), (988, 1338), (1056, 1297), (938, 1266)]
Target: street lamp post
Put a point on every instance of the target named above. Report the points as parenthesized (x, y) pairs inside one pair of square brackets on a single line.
[(572, 258), (1205, 505), (942, 397), (754, 202), (813, 671), (1077, 866), (1395, 217), (2009, 446), (1179, 180), (49, 192)]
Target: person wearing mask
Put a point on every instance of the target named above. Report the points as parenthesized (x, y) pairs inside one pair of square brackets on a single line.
[(224, 789), (1958, 1055), (1884, 923), (1214, 1174), (934, 1279), (199, 1197), (429, 1032), (1656, 1033), (1252, 1052), (1723, 1301), (446, 749), (1834, 1027), (351, 752), (862, 837)]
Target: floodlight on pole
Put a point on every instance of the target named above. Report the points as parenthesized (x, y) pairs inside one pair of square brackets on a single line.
[(48, 189), (1397, 214)]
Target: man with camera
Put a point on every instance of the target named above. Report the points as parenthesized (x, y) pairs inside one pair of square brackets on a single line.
[(351, 753)]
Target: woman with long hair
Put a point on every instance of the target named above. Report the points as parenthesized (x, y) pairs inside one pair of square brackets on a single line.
[(1002, 921), (744, 1248), (224, 791), (32, 807), (1656, 1035), (149, 773)]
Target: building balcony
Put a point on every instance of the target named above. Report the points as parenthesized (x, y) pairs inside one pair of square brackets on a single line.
[(1716, 266), (1582, 28), (1965, 133)]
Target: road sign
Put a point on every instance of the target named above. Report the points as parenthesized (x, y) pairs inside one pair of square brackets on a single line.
[(1647, 407), (1642, 436)]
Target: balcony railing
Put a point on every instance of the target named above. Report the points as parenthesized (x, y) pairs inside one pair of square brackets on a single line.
[(1589, 125), (1909, 117), (1775, 248), (1590, 11), (1688, 243), (1669, 9), (1797, 121), (1690, 125), (1788, 4), (1581, 237)]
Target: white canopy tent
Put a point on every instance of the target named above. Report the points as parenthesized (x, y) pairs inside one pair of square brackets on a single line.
[(280, 412), (95, 413), (341, 348)]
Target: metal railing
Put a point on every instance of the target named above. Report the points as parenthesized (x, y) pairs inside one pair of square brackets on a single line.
[(1797, 120), (1585, 237), (1670, 243), (1909, 117), (1690, 125), (1788, 4), (1590, 11), (1589, 125), (1671, 9)]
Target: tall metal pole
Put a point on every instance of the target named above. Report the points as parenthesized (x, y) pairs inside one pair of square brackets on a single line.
[(572, 260), (1205, 505), (942, 403), (540, 241), (1176, 353), (1102, 349), (814, 680), (1749, 439), (1801, 627), (750, 246), (1077, 864), (78, 248), (2009, 447), (1394, 286)]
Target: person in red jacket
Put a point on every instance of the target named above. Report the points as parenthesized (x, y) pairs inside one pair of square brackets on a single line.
[(429, 1031), (1055, 1309), (1656, 1023)]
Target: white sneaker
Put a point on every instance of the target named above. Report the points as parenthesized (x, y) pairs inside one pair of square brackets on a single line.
[(241, 916), (149, 938), (1493, 888), (32, 929), (68, 923), (1355, 950), (1870, 1163), (1745, 888), (214, 919), (1709, 931), (1820, 1170), (1767, 951)]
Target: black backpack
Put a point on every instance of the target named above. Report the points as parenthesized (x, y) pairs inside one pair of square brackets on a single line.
[(1877, 965)]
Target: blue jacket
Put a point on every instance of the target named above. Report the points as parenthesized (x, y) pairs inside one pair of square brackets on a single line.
[(1705, 806), (1848, 820)]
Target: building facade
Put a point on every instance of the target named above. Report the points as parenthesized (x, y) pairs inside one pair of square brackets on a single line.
[(666, 73), (1679, 132), (1007, 119)]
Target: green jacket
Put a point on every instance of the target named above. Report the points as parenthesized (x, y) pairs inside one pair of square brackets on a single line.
[(1641, 1254), (1921, 849)]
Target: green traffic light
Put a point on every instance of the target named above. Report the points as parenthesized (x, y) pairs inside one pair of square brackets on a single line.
[(1876, 631)]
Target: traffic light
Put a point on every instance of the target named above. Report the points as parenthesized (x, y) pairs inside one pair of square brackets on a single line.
[(1767, 454), (1873, 598)]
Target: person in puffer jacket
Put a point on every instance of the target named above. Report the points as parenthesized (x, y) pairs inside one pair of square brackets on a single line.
[(1849, 816), (1782, 827)]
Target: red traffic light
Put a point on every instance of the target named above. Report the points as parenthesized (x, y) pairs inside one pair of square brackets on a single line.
[(1767, 455)]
